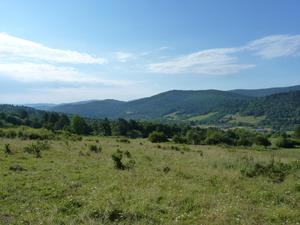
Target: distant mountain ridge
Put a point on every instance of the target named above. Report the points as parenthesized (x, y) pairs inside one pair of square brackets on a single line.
[(157, 106), (265, 91), (205, 106), (41, 106)]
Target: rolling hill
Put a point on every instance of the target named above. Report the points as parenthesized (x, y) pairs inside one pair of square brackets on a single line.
[(265, 91), (158, 106), (259, 107), (95, 108)]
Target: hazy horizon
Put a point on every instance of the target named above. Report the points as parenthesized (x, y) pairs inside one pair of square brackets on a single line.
[(127, 100)]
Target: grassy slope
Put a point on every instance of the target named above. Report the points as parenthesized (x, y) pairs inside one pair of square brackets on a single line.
[(252, 120), (70, 185), (201, 117)]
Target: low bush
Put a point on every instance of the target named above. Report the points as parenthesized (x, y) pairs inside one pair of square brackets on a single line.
[(284, 142), (95, 148), (166, 169), (37, 148), (276, 171), (157, 137), (7, 149), (262, 141), (121, 163), (117, 158), (179, 139), (16, 168), (123, 140)]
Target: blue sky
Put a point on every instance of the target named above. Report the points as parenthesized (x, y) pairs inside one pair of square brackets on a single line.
[(64, 51)]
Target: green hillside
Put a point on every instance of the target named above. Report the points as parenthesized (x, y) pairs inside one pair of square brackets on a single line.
[(158, 106), (210, 107), (100, 109), (266, 91), (280, 110)]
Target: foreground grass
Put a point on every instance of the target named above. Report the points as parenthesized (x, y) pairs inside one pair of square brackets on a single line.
[(69, 184)]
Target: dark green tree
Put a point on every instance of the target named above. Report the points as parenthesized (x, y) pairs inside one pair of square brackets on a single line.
[(105, 127), (261, 140), (62, 122), (157, 137), (297, 132), (79, 126)]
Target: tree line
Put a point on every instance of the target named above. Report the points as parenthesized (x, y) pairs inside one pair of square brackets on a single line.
[(156, 132)]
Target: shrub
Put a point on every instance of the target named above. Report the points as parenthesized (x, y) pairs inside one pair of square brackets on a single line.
[(36, 148), (166, 169), (157, 137), (117, 158), (219, 137), (95, 148), (284, 142), (123, 140), (11, 134), (195, 137), (276, 171), (7, 149), (179, 139), (134, 134), (71, 207), (263, 141), (176, 148), (128, 154), (129, 164), (16, 168)]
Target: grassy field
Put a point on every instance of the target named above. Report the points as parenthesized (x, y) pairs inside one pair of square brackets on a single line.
[(252, 120), (201, 117), (168, 184)]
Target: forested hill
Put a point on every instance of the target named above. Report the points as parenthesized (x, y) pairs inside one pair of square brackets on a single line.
[(210, 107), (183, 103), (266, 91), (207, 107), (96, 109), (280, 110), (171, 103)]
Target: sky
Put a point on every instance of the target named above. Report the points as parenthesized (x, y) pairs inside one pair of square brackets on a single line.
[(60, 51)]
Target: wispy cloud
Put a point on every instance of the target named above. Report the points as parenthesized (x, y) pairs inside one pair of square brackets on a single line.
[(11, 46), (153, 51), (212, 61), (123, 56), (275, 46), (224, 61)]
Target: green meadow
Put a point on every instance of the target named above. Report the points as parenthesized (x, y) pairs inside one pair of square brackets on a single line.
[(78, 181)]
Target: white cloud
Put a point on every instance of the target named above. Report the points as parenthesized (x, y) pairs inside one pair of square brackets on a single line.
[(32, 72), (212, 62), (124, 56), (11, 46), (221, 60), (275, 46)]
